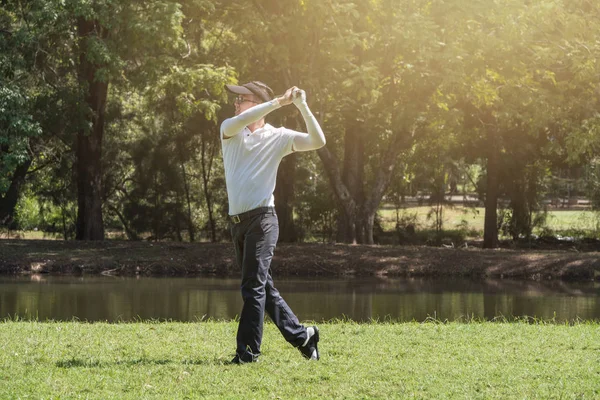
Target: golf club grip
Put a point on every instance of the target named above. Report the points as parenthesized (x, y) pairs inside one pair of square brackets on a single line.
[(295, 94)]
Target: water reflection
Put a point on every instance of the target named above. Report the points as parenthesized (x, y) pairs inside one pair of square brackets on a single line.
[(190, 299)]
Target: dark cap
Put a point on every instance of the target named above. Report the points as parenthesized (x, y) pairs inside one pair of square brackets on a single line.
[(256, 88)]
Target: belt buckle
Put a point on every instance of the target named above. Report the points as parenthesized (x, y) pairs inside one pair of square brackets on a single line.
[(235, 219)]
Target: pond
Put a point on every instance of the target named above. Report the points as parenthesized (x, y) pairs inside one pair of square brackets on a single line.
[(106, 298)]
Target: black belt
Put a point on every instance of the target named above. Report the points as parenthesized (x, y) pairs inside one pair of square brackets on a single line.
[(236, 219)]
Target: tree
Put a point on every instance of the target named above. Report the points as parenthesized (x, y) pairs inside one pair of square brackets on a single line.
[(25, 90), (391, 74), (136, 39), (165, 177), (506, 71), (175, 154)]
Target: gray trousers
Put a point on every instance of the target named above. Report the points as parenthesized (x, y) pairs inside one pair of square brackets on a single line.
[(255, 238)]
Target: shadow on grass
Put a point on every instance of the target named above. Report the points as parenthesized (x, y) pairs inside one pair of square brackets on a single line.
[(82, 363), (79, 363)]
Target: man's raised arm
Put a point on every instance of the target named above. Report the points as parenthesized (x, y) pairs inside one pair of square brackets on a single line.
[(315, 139), (234, 125)]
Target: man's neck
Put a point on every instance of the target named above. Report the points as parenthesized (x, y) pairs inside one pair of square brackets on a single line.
[(256, 125)]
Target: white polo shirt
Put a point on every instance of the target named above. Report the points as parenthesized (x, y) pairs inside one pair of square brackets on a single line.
[(251, 160)]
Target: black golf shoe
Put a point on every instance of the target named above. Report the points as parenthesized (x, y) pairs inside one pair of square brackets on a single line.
[(311, 350), (245, 358)]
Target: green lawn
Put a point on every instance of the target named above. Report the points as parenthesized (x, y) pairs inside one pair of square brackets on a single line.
[(558, 220), (36, 235), (455, 217), (576, 220), (482, 360)]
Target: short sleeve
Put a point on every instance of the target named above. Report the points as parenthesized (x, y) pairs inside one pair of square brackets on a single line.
[(286, 139)]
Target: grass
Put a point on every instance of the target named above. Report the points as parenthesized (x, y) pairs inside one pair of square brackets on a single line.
[(379, 360), (572, 220), (473, 218), (32, 235), (455, 217)]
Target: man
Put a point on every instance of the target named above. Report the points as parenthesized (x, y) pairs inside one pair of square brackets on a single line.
[(252, 151)]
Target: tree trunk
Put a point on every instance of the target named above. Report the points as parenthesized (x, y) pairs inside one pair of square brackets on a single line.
[(360, 227), (64, 223), (346, 204), (348, 185), (346, 224), (8, 202), (206, 161), (211, 217), (383, 179), (88, 167), (131, 235), (490, 232), (353, 177), (190, 219), (284, 198), (519, 222), (369, 222), (157, 213), (356, 220), (178, 216)]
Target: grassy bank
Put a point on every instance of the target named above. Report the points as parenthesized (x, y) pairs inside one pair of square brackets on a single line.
[(456, 216), (472, 218), (114, 257), (410, 360)]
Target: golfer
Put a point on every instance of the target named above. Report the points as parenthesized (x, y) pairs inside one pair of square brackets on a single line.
[(252, 151)]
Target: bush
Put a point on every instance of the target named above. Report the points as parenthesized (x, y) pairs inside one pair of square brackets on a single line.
[(27, 214)]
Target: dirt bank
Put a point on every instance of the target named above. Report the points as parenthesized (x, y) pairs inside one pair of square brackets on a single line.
[(131, 258)]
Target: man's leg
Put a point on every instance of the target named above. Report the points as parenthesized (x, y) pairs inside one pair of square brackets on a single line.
[(238, 232), (260, 239), (282, 315), (305, 339)]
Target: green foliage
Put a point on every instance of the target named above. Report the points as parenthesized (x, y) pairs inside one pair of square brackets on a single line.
[(593, 189), (430, 88), (28, 214), (316, 212), (16, 128), (44, 216), (157, 182)]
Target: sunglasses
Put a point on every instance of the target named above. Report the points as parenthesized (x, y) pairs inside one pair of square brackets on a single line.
[(240, 100)]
